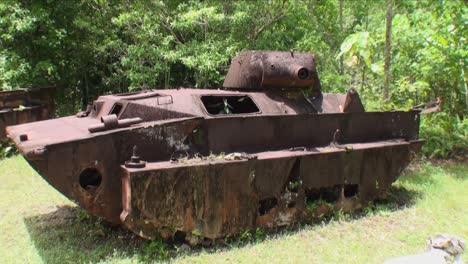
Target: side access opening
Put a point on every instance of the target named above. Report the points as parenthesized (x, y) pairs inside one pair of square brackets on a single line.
[(228, 105), (332, 194), (351, 190), (90, 179), (266, 205)]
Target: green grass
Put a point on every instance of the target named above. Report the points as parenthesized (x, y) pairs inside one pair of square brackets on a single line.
[(38, 224)]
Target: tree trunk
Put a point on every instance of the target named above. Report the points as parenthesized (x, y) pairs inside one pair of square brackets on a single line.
[(85, 92), (465, 85), (341, 33), (388, 43), (363, 76)]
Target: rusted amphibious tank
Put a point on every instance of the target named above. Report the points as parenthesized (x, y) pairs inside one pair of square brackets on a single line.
[(214, 163)]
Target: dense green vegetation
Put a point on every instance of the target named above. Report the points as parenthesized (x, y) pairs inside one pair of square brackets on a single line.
[(39, 225), (87, 48)]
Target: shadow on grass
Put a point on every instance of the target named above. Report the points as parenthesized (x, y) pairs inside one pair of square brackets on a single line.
[(71, 235), (397, 198)]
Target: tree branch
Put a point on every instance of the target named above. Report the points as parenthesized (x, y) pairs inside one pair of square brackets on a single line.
[(269, 23), (167, 26)]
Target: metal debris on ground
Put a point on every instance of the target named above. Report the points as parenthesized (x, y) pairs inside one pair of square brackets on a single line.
[(441, 249)]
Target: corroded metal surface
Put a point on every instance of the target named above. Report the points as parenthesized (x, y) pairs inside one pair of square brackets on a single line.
[(24, 106), (218, 198), (273, 70), (214, 163)]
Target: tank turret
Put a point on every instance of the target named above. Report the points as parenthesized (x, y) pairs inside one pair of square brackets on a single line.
[(263, 70)]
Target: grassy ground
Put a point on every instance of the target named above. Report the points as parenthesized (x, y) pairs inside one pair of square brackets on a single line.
[(37, 224)]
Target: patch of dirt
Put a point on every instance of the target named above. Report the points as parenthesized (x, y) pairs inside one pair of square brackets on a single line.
[(58, 215)]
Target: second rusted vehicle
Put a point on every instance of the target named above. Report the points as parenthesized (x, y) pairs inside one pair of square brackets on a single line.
[(24, 106), (206, 164)]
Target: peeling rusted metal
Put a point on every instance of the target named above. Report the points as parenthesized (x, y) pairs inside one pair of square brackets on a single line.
[(219, 162), (273, 70)]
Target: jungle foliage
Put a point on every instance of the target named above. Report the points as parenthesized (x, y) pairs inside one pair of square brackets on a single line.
[(88, 48)]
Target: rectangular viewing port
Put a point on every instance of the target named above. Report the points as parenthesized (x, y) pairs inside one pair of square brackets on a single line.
[(229, 104), (116, 109)]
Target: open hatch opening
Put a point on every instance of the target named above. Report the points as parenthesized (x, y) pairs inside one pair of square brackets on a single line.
[(116, 109), (228, 105)]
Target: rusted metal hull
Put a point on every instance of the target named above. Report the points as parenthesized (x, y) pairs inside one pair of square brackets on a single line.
[(218, 197), (213, 163), (222, 198)]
